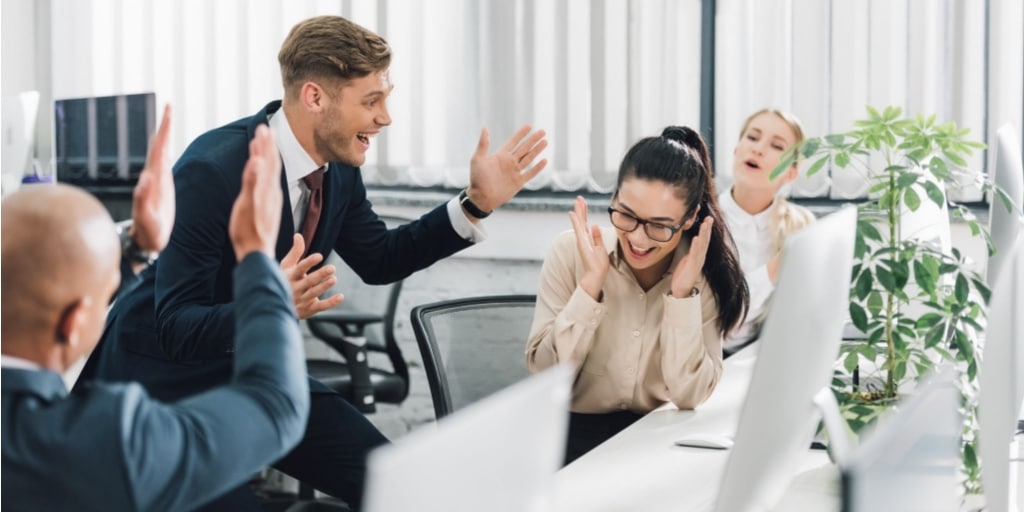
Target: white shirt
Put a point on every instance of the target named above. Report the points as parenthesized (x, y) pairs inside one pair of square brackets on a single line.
[(298, 164), (7, 361), (752, 234)]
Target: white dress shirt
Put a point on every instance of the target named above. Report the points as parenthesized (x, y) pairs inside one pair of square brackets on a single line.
[(298, 164), (18, 363), (753, 237)]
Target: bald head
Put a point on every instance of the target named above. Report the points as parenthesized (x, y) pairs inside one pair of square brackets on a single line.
[(60, 252)]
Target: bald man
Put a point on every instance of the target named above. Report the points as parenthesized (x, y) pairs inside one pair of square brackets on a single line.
[(112, 447)]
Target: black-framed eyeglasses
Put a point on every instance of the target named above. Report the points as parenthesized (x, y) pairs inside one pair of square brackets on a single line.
[(655, 231)]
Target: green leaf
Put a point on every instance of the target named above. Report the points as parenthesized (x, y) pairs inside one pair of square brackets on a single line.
[(912, 200), (816, 166), (962, 289), (900, 273), (955, 157), (925, 278), (928, 320), (810, 147), (835, 139), (868, 230), (858, 316), (934, 193), (886, 279), (970, 456), (783, 166), (900, 371), (905, 179), (842, 159), (863, 285), (850, 363), (979, 285), (874, 303), (1004, 198)]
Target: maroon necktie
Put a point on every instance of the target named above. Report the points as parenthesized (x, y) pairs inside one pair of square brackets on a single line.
[(315, 182)]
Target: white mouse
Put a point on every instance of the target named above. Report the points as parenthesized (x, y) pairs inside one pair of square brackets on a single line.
[(706, 440)]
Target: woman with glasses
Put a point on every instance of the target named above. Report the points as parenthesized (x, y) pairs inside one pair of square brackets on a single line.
[(758, 214), (641, 308)]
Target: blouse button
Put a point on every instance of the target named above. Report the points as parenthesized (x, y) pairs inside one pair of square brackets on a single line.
[(636, 334)]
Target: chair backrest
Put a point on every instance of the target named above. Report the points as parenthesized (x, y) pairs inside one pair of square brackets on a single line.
[(1004, 225), (472, 347)]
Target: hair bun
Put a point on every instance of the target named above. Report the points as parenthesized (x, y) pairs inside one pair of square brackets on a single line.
[(676, 133)]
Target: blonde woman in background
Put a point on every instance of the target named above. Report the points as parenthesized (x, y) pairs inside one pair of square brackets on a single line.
[(759, 217)]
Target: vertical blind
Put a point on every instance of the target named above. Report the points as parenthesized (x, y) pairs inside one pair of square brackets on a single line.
[(597, 75)]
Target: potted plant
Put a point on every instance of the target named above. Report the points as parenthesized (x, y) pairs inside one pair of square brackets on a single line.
[(917, 303)]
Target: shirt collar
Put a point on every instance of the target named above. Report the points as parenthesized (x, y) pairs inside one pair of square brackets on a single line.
[(736, 214), (297, 163), (7, 361)]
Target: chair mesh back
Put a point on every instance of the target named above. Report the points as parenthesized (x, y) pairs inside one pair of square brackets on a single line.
[(480, 347)]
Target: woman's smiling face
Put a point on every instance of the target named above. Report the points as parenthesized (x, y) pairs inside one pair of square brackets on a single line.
[(656, 202)]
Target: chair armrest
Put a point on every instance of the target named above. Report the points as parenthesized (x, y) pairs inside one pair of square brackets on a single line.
[(352, 346)]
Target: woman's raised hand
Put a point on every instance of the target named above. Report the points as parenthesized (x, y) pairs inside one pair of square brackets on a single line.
[(592, 251)]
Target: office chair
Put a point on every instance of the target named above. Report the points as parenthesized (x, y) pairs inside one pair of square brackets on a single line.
[(472, 347), (361, 327)]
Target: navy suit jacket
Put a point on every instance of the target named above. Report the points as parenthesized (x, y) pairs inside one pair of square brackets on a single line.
[(174, 332), (112, 447)]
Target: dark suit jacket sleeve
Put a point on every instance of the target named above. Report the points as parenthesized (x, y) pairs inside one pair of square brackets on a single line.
[(192, 321), (178, 456), (382, 256)]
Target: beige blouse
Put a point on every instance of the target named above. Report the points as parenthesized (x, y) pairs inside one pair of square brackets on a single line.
[(634, 350)]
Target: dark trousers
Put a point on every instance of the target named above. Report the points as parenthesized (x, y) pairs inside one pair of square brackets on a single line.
[(331, 456), (586, 431)]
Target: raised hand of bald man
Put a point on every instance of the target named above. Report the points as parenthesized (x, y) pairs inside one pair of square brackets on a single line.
[(256, 215), (153, 199)]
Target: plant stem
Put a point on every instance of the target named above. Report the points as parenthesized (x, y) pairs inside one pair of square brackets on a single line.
[(890, 297)]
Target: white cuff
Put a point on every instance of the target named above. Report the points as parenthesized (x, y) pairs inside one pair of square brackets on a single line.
[(462, 225)]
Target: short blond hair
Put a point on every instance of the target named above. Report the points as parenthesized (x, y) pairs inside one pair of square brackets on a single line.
[(330, 48)]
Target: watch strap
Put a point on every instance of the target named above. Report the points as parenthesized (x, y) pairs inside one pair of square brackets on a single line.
[(473, 209)]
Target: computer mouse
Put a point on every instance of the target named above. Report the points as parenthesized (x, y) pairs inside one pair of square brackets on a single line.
[(706, 440)]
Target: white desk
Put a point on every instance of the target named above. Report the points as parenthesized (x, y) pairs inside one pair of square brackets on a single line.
[(641, 468)]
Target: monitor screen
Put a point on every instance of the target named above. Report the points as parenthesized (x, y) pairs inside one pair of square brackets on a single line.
[(103, 140), (798, 347)]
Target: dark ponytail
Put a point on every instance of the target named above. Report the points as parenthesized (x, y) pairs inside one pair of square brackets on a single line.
[(681, 158)]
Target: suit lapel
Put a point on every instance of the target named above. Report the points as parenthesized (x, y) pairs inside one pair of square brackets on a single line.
[(284, 235)]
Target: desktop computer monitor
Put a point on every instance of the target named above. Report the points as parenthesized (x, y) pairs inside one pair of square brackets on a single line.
[(103, 140), (1001, 379), (797, 349), (909, 460), (18, 132), (499, 454), (1005, 225)]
